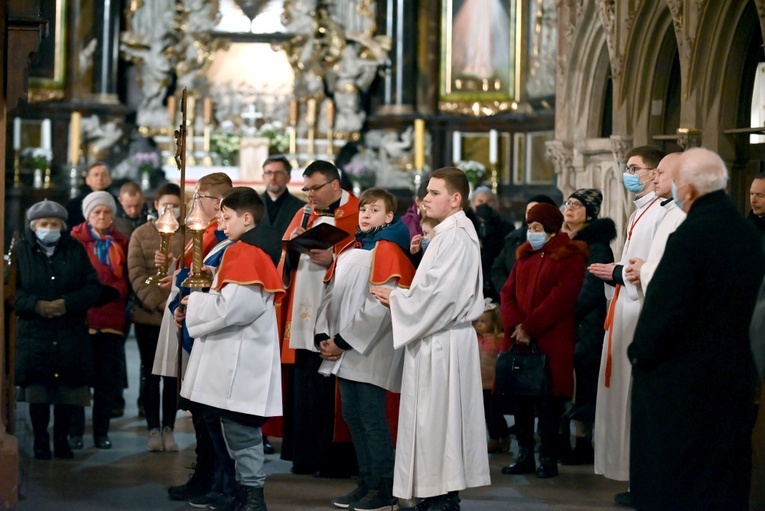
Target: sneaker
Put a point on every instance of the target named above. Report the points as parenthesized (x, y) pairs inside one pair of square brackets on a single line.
[(199, 484), (346, 500), (376, 500), (155, 441), (168, 440), (213, 498)]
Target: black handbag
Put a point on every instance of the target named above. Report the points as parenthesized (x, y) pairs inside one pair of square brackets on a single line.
[(523, 374)]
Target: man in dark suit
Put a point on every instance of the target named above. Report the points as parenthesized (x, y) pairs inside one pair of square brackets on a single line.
[(281, 205), (693, 373), (97, 177)]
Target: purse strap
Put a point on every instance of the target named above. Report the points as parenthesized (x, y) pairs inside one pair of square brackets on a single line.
[(532, 345)]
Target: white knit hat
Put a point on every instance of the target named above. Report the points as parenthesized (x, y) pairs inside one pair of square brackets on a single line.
[(95, 199)]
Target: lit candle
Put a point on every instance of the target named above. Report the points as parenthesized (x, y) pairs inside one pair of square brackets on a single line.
[(330, 113), (190, 106), (171, 109), (74, 138), (419, 144), (45, 134), (294, 109), (456, 147), (310, 115), (493, 146), (207, 110), (16, 133)]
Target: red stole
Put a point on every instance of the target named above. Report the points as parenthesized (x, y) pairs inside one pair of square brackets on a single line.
[(246, 264)]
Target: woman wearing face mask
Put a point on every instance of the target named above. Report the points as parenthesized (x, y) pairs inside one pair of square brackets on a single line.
[(150, 302), (539, 304), (56, 285), (107, 323)]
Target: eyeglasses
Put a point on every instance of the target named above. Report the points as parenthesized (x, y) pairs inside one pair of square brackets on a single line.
[(272, 172), (315, 188), (573, 205), (631, 169), (200, 196)]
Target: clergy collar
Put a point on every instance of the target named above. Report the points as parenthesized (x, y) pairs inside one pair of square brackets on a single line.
[(330, 211), (644, 200)]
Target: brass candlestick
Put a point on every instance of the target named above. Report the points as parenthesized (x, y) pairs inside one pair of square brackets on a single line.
[(166, 224), (17, 168), (46, 180), (494, 178), (196, 224), (310, 119)]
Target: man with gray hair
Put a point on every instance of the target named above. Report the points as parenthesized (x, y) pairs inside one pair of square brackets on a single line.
[(693, 374)]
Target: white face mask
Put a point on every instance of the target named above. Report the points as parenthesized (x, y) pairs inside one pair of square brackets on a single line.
[(48, 237)]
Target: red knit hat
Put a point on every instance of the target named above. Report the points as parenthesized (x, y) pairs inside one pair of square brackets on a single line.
[(546, 214)]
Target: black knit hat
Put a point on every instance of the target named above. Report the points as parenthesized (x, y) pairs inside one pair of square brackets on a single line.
[(591, 199)]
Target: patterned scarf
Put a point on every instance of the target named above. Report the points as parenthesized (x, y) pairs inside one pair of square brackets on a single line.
[(109, 252)]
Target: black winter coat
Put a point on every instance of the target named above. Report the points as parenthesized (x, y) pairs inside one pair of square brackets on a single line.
[(505, 260), (693, 373), (55, 350)]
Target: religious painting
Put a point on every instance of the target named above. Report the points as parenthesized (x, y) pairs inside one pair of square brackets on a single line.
[(47, 68), (530, 162), (480, 53)]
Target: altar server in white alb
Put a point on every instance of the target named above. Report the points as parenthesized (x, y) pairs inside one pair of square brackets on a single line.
[(234, 364), (441, 445), (612, 417)]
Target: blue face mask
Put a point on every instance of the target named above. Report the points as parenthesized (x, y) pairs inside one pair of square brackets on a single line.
[(48, 237), (537, 240), (632, 183), (424, 244), (675, 197)]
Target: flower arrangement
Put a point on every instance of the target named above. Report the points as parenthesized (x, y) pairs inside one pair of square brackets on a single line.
[(360, 173), (36, 158), (473, 170), (146, 162), (225, 142), (278, 140)]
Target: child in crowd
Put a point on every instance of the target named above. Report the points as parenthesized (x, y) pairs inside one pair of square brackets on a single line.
[(420, 242), (234, 365), (441, 437), (353, 332), (491, 341)]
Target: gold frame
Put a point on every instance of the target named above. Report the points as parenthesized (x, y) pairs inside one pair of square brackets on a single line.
[(474, 145), (51, 87), (482, 101)]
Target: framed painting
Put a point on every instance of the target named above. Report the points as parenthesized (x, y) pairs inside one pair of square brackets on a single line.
[(480, 55), (47, 71)]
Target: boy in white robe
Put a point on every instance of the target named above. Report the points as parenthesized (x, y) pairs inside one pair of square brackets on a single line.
[(441, 444), (353, 333), (234, 366)]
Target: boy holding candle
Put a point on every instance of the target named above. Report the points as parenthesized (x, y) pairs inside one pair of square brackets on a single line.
[(441, 432)]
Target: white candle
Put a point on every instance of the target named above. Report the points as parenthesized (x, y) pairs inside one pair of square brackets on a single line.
[(16, 133), (45, 134), (493, 146), (456, 147)]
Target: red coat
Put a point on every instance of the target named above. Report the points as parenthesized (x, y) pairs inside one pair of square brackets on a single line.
[(541, 293)]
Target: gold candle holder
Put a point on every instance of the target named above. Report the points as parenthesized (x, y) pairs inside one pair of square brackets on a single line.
[(310, 118), (494, 178), (166, 224), (46, 180), (17, 168), (196, 223)]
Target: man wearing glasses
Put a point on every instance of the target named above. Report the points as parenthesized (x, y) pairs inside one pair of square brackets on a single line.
[(310, 397), (281, 205), (612, 410)]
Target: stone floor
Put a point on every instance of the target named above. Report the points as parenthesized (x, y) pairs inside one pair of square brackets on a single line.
[(129, 478)]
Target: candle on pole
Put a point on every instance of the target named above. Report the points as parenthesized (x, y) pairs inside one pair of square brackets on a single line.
[(456, 147), (493, 143), (16, 133), (419, 144), (75, 123), (45, 133), (171, 109), (207, 110)]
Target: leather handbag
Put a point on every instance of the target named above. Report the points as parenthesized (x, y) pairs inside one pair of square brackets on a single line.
[(523, 373)]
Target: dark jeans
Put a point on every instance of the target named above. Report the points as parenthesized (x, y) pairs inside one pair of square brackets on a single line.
[(495, 421), (549, 411), (224, 473), (146, 336), (364, 412), (108, 380)]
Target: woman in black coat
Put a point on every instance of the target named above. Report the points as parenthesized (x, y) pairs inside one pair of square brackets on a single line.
[(56, 285), (582, 224)]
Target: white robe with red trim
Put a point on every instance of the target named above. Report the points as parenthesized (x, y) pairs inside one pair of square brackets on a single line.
[(612, 409)]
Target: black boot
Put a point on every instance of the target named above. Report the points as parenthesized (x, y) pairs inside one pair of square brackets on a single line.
[(524, 464), (379, 497), (199, 484), (254, 499), (548, 467), (583, 454), (39, 413), (61, 417)]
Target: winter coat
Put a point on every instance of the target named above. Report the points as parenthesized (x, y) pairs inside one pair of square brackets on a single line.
[(491, 231), (111, 315), (505, 260), (693, 373), (55, 350), (541, 294), (149, 302)]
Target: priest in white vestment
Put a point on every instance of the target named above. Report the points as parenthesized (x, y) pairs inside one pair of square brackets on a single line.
[(441, 432), (612, 417)]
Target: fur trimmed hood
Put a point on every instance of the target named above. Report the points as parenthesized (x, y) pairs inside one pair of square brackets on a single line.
[(558, 247)]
